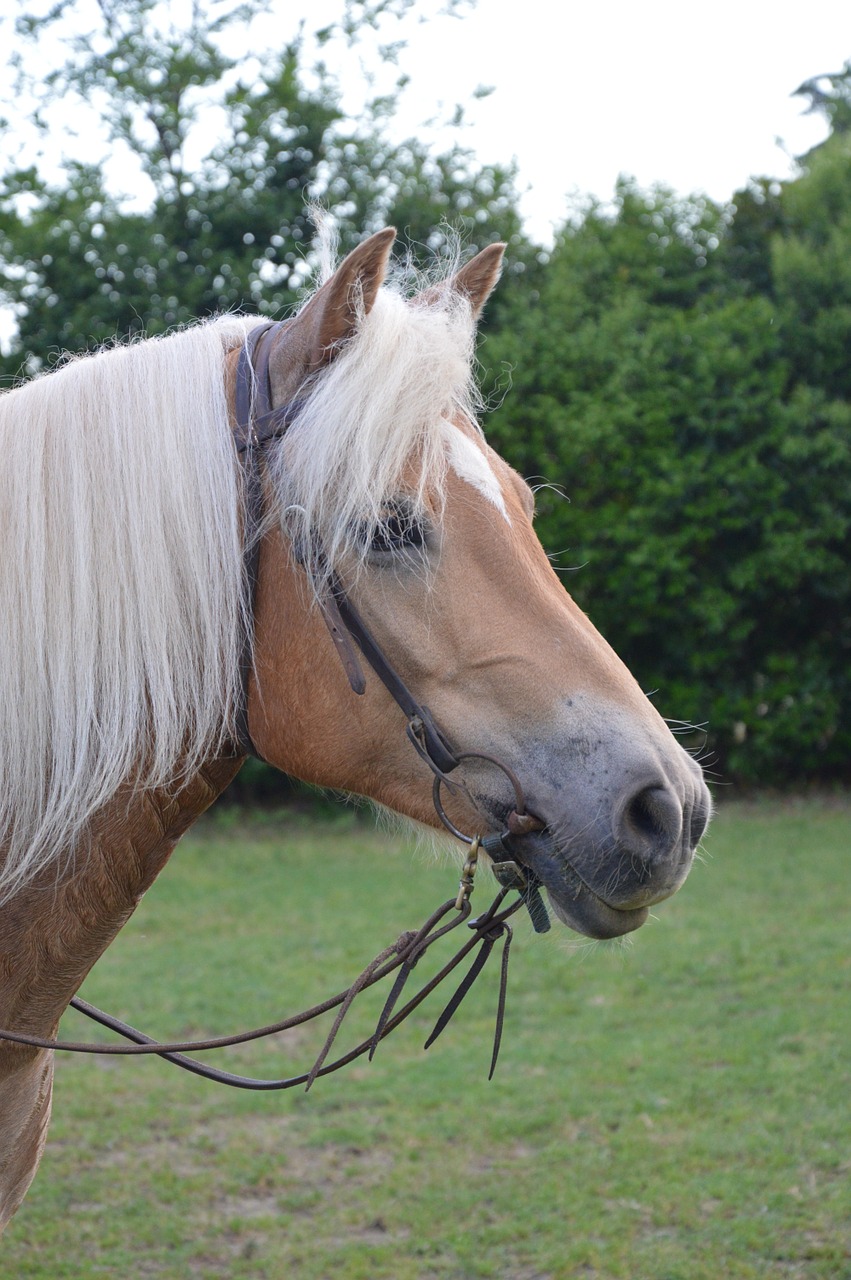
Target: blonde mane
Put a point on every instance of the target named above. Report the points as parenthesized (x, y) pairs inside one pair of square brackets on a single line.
[(120, 582), (122, 594)]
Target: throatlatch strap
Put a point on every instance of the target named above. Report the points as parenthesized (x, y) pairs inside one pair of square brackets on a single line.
[(258, 422), (251, 393), (428, 741)]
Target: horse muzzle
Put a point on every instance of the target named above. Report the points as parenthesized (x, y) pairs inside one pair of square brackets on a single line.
[(602, 876)]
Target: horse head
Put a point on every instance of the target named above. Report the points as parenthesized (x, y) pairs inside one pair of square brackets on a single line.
[(384, 482)]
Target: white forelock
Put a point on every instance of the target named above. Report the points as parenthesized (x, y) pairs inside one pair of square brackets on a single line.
[(370, 429)]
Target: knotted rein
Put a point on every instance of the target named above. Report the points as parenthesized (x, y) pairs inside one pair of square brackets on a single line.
[(258, 423)]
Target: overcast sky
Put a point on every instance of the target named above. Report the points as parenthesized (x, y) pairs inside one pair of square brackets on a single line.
[(693, 95)]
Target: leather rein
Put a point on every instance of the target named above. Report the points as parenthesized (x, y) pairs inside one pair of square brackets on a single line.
[(258, 423)]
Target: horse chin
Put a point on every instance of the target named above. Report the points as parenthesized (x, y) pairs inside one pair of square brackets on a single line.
[(574, 903), (591, 916)]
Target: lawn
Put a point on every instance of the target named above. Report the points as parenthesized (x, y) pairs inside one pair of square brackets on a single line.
[(676, 1108)]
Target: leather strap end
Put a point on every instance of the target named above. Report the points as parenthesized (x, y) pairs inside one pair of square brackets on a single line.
[(343, 644)]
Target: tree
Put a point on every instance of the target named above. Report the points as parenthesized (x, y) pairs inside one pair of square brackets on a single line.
[(710, 488), (78, 263), (811, 269), (828, 95), (789, 241)]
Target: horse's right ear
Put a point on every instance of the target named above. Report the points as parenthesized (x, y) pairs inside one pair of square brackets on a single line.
[(332, 314), (477, 279)]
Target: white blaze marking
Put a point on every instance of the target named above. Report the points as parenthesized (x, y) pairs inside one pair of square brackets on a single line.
[(469, 462)]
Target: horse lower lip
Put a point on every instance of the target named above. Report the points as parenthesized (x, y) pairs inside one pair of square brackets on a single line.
[(575, 904), (589, 915)]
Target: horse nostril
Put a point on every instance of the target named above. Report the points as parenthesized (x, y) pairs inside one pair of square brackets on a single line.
[(699, 819), (650, 823)]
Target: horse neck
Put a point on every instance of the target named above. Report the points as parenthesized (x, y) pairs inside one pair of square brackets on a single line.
[(53, 932)]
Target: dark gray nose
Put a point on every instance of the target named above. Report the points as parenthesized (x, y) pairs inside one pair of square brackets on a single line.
[(655, 835), (650, 823)]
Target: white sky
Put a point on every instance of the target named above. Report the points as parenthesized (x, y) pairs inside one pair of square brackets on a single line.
[(695, 96)]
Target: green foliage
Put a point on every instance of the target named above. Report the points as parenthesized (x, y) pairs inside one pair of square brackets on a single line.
[(79, 264), (811, 268), (679, 369), (830, 96), (710, 484)]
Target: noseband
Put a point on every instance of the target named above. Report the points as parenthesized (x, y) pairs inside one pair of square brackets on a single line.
[(258, 423)]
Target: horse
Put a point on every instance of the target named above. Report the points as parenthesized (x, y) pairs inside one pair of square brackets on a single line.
[(136, 642)]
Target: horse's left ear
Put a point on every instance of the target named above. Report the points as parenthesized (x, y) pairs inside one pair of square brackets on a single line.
[(331, 315), (478, 277), (336, 308)]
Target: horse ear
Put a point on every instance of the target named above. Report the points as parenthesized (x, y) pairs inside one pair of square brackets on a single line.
[(476, 280), (331, 315)]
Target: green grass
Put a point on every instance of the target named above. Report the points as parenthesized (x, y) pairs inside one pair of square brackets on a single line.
[(674, 1109)]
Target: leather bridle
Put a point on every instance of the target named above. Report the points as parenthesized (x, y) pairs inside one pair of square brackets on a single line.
[(258, 423)]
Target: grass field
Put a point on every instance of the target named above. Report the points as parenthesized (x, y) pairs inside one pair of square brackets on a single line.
[(678, 1108)]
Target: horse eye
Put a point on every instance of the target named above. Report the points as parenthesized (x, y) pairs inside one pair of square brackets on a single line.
[(398, 530)]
